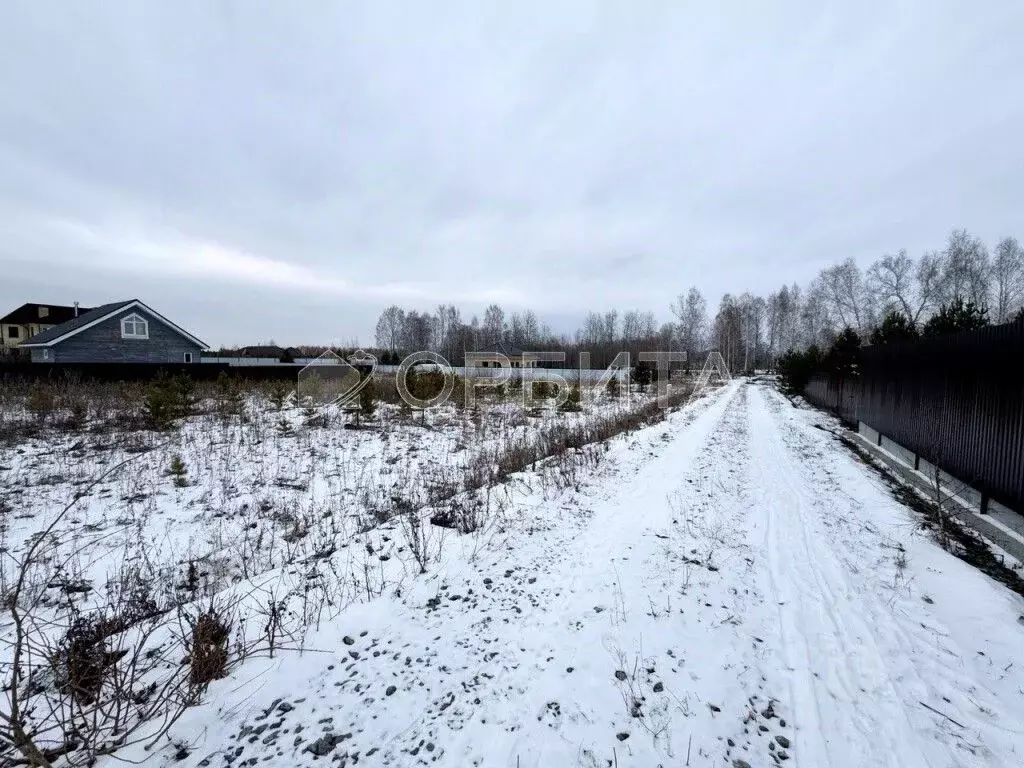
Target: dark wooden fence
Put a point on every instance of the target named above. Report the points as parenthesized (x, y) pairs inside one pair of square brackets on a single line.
[(956, 401), (59, 372)]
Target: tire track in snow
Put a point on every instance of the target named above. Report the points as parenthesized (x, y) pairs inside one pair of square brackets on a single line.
[(885, 652), (817, 604), (853, 518)]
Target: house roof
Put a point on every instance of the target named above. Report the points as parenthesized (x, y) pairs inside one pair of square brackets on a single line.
[(78, 324), (29, 313)]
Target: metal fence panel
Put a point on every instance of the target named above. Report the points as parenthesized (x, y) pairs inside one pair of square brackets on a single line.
[(956, 401)]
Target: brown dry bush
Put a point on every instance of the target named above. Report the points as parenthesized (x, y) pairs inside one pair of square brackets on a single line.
[(208, 647), (85, 657), (41, 401)]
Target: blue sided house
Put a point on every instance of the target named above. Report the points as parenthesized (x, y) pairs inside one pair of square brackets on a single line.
[(122, 332)]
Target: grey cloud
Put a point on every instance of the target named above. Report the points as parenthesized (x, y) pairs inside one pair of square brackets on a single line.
[(287, 170)]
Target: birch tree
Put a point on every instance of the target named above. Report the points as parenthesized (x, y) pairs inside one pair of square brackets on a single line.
[(493, 330), (389, 328), (691, 313), (1008, 279), (966, 269)]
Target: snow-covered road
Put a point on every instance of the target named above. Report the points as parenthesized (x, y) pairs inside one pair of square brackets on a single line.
[(732, 588)]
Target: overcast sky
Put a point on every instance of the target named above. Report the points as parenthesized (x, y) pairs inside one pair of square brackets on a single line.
[(283, 170)]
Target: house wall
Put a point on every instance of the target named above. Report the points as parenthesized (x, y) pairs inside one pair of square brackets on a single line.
[(5, 337), (102, 343), (25, 332), (496, 361)]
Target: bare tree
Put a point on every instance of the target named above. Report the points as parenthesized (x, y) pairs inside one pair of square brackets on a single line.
[(929, 284), (847, 296), (631, 325), (531, 329), (794, 321), (691, 314), (389, 328), (417, 331), (783, 319), (728, 331), (440, 325), (898, 284), (647, 327), (752, 310), (592, 332), (523, 330), (1008, 278), (493, 330), (611, 326), (638, 327), (772, 315), (891, 280), (816, 324), (446, 330), (966, 269), (666, 336)]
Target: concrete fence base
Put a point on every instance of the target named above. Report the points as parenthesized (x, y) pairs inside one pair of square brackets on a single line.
[(999, 524)]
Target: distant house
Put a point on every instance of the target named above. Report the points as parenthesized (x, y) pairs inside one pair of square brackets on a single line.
[(28, 320), (495, 357), (122, 332)]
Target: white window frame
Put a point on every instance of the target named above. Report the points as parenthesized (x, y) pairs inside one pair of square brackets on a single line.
[(134, 319), (188, 357), (46, 354)]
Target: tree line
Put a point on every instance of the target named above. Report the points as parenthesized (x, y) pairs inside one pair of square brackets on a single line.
[(898, 296), (602, 335)]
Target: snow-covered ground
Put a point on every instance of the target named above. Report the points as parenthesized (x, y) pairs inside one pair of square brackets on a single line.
[(256, 492), (730, 587)]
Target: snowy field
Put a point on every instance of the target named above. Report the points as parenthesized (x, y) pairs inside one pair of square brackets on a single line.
[(728, 587), (226, 498)]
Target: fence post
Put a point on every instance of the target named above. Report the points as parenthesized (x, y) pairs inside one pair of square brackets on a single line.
[(917, 462), (984, 504)]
